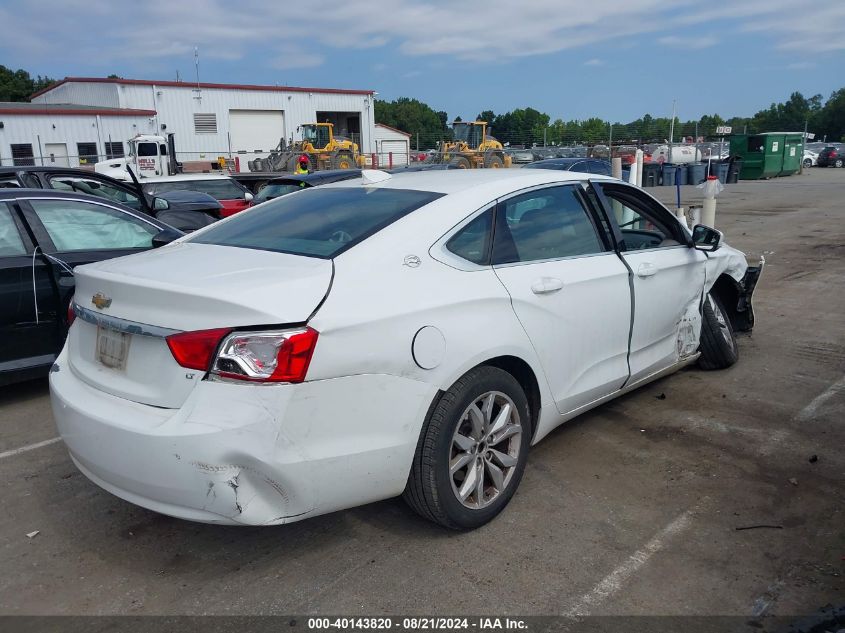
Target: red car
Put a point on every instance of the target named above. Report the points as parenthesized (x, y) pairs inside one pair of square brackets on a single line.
[(231, 194)]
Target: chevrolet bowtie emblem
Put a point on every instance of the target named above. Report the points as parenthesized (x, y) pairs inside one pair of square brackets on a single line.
[(101, 301)]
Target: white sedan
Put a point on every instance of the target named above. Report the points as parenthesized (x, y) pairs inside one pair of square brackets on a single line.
[(409, 335)]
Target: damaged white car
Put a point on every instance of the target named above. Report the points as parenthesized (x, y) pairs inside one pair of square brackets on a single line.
[(411, 335)]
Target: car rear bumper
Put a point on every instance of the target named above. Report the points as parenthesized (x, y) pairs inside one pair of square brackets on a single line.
[(246, 454)]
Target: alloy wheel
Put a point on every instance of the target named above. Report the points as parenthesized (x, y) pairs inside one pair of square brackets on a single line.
[(485, 449)]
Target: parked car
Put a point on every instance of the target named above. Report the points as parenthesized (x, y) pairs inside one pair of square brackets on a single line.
[(77, 181), (831, 156), (294, 182), (43, 236), (585, 165), (377, 337), (520, 156), (187, 210), (810, 159), (232, 195)]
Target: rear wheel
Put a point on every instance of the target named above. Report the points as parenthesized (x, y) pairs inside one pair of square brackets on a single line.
[(808, 163), (472, 451), (718, 342), (838, 162)]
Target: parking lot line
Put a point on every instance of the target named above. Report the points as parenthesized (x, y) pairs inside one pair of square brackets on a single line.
[(808, 413), (611, 583), (30, 447)]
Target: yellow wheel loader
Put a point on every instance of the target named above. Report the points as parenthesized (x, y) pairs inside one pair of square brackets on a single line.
[(472, 148), (319, 145)]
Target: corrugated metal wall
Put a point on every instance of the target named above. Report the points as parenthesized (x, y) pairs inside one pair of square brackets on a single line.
[(82, 93), (176, 107), (26, 128)]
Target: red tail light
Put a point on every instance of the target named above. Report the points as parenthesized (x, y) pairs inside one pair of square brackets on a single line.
[(71, 313), (281, 356), (194, 350)]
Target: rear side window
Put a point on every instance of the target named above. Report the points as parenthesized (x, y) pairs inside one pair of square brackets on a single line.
[(10, 239), (74, 225), (473, 241), (317, 222)]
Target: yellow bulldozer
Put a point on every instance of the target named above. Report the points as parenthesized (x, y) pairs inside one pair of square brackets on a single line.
[(472, 148), (319, 145)]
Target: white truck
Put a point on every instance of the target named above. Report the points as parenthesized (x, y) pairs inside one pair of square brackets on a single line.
[(149, 156)]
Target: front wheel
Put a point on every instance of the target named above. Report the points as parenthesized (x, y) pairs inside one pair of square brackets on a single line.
[(718, 342), (472, 451), (808, 163), (460, 162)]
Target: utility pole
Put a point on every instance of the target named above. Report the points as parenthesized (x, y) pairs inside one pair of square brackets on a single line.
[(610, 144), (803, 147), (672, 131)]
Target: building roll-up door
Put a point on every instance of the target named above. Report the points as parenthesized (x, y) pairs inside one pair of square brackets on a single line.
[(254, 133), (399, 150)]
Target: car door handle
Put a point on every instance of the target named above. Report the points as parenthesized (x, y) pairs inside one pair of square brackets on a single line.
[(545, 285), (646, 269)]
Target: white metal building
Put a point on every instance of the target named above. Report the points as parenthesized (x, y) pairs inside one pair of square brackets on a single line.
[(67, 135), (392, 144), (209, 120)]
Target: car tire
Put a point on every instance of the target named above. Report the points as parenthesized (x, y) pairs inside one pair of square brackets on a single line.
[(808, 163), (718, 341), (838, 163), (450, 438)]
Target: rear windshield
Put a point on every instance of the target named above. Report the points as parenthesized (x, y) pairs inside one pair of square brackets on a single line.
[(277, 190), (220, 189), (317, 222)]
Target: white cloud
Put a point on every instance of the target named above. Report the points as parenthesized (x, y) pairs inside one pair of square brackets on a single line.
[(594, 62), (688, 42), (103, 32)]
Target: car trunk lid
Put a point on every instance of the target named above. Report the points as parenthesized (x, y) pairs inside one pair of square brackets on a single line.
[(129, 305)]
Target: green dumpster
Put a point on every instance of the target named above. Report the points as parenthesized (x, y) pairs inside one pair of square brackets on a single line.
[(767, 155), (792, 152)]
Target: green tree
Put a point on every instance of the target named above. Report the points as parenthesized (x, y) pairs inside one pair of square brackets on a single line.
[(414, 117), (18, 85)]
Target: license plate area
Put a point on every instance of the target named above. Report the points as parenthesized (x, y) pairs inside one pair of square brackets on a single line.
[(112, 348)]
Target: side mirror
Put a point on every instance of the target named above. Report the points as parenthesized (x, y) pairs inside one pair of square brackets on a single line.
[(160, 204), (705, 238), (248, 196), (165, 236)]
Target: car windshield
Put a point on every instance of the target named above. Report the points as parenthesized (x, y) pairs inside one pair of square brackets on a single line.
[(319, 222), (220, 189), (277, 190)]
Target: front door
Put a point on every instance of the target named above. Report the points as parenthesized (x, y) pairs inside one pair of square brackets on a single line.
[(569, 290), (668, 280)]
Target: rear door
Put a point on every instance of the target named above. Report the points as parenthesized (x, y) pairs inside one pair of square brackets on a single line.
[(568, 288), (74, 232), (668, 279), (28, 307)]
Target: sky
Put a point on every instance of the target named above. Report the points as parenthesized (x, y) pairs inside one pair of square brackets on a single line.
[(572, 59)]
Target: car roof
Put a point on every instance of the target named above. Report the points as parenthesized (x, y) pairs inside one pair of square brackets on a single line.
[(187, 177), (18, 193), (317, 176), (451, 181)]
